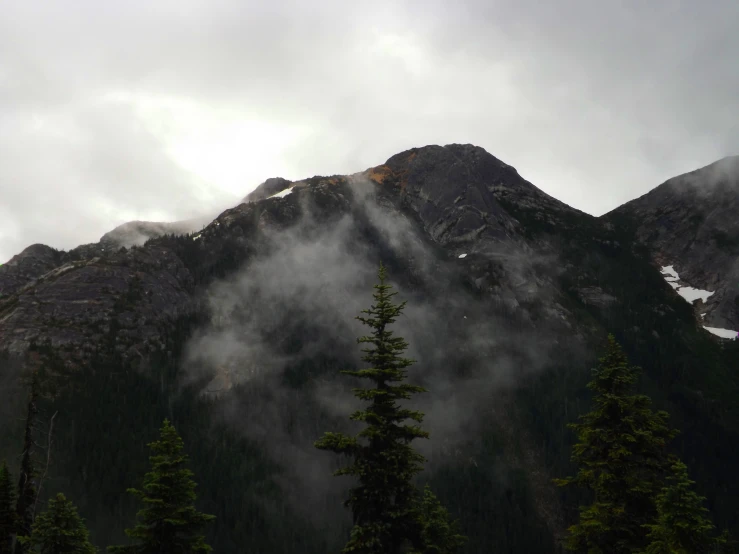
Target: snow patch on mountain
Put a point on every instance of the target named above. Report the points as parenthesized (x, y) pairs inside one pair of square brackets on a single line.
[(724, 333), (690, 295), (670, 274), (282, 193)]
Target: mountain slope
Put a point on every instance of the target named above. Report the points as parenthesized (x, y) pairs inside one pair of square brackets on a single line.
[(238, 332), (691, 223)]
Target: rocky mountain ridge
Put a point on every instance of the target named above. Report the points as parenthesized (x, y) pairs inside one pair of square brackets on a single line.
[(136, 233), (690, 222), (465, 200)]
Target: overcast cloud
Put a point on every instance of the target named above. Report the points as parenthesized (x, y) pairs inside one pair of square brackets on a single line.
[(113, 111)]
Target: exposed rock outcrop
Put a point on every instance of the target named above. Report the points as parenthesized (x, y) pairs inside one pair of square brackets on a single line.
[(124, 301), (23, 268), (271, 186), (501, 231), (691, 223)]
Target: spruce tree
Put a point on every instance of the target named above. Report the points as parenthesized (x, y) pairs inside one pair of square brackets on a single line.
[(439, 534), (385, 503), (7, 511), (27, 490), (622, 459), (168, 522), (681, 526), (59, 530)]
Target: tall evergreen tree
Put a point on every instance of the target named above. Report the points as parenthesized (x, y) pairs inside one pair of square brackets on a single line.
[(7, 511), (168, 522), (681, 526), (27, 490), (385, 503), (622, 459), (439, 535), (59, 530)]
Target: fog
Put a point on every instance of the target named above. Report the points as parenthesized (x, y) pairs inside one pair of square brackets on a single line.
[(300, 301)]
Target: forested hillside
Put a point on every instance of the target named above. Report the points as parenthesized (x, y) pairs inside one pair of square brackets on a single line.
[(237, 334)]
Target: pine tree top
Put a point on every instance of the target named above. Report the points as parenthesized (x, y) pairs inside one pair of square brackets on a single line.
[(168, 522), (439, 534), (60, 530), (383, 504), (621, 431), (682, 524), (622, 457), (385, 351), (383, 416)]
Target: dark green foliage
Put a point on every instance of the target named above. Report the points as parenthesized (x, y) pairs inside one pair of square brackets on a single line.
[(383, 505), (168, 522), (99, 452), (7, 510), (27, 491), (59, 530), (681, 526), (622, 459), (439, 534)]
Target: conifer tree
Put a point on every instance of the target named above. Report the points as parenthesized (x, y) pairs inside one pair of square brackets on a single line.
[(622, 458), (59, 530), (7, 511), (439, 535), (168, 522), (27, 490), (385, 503), (681, 526)]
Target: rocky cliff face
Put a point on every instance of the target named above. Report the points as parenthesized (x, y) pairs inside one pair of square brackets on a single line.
[(124, 300), (691, 222), (461, 194), (23, 268), (511, 242)]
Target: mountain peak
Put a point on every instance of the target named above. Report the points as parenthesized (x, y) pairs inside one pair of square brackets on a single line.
[(461, 191), (474, 157), (719, 177), (30, 264), (271, 186), (690, 222)]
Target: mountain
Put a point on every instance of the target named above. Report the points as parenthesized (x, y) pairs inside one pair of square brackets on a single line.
[(237, 332), (691, 223), (136, 233)]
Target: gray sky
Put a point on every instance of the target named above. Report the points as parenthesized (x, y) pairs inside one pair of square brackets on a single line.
[(113, 111)]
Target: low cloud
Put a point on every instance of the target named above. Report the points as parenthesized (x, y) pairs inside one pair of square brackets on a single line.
[(300, 301), (121, 112)]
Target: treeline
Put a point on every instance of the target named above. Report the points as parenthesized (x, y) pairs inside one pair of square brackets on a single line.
[(640, 498), (167, 522)]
